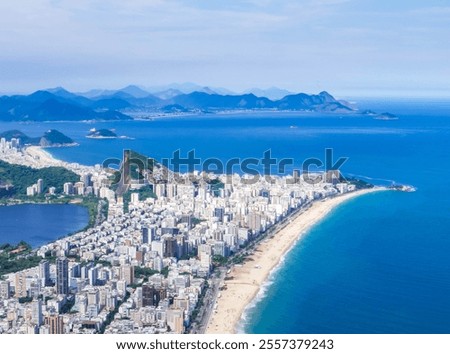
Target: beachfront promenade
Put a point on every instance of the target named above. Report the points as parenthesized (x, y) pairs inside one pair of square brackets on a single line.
[(244, 282)]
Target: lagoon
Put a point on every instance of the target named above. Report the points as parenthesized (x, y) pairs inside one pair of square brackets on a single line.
[(38, 224)]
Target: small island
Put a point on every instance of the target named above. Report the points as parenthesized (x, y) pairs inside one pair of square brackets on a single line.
[(386, 116), (104, 134), (101, 134), (379, 116)]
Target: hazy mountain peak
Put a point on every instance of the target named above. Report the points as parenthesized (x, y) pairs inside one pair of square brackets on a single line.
[(135, 91), (274, 93), (327, 96)]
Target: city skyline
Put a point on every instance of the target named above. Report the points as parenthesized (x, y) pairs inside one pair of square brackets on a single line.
[(248, 167), (152, 262), (346, 47)]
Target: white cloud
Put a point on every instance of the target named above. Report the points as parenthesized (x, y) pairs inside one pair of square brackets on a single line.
[(303, 44)]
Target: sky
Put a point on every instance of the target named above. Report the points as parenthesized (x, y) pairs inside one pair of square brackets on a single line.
[(347, 47)]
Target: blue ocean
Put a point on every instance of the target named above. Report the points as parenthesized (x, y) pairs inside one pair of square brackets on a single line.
[(377, 264)]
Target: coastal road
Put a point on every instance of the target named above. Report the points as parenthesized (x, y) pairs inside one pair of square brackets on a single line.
[(99, 218), (272, 230), (210, 297), (210, 300)]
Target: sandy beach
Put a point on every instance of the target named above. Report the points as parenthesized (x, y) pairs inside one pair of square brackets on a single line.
[(244, 282), (37, 157), (42, 157)]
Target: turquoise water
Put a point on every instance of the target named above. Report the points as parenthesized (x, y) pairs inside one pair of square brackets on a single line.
[(378, 264), (39, 224), (365, 269)]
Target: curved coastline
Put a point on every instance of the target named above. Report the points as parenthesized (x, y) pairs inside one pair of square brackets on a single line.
[(39, 157), (248, 284)]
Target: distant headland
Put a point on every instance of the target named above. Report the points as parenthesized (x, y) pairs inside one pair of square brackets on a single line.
[(133, 102), (51, 138)]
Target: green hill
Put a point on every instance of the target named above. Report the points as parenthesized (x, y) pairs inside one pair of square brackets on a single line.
[(17, 134), (22, 177), (102, 134), (54, 137), (51, 137)]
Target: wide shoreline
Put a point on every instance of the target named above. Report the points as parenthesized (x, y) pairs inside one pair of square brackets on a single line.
[(37, 157), (244, 283)]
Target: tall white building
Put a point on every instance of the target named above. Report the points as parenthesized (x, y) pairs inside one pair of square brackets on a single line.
[(160, 190), (31, 190), (134, 198), (68, 188), (40, 186), (36, 312), (44, 272), (5, 289)]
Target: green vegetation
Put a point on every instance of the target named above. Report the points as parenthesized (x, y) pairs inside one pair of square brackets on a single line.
[(22, 177), (199, 305), (7, 247), (196, 221), (141, 272), (219, 260), (51, 137), (17, 134), (91, 203), (20, 257), (216, 185), (148, 161), (100, 262), (188, 256), (360, 184), (25, 299), (54, 137), (102, 133), (144, 193), (104, 209), (165, 272), (112, 314), (114, 179), (138, 164), (238, 259), (6, 191), (17, 258)]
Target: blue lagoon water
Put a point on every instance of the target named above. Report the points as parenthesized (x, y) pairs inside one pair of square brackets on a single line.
[(377, 264), (39, 224)]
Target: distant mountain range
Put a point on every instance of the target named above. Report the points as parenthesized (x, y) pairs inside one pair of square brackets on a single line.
[(58, 104)]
